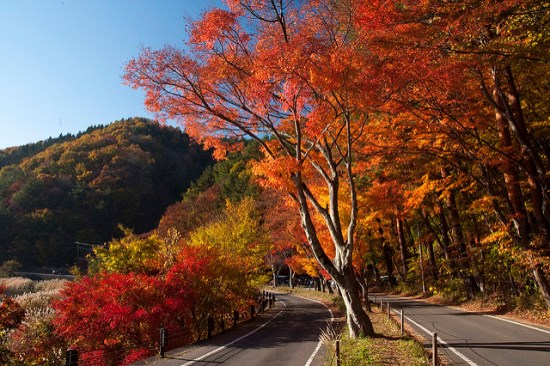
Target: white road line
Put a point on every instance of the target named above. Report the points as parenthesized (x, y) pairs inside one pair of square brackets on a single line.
[(466, 359), (518, 323), (232, 342), (320, 344), (310, 359)]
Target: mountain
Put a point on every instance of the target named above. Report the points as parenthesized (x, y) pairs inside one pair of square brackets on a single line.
[(80, 188)]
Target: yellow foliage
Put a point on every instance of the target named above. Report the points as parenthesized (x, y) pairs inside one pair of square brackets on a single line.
[(237, 237)]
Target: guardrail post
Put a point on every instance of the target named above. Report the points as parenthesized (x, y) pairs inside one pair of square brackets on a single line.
[(163, 341), (252, 311), (402, 322), (71, 357), (434, 349), (210, 326), (235, 317), (389, 311), (337, 351)]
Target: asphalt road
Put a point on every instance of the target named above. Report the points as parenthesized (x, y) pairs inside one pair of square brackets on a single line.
[(475, 338), (285, 335)]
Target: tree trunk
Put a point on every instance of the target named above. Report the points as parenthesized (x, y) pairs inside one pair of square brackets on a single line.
[(328, 285), (510, 121), (509, 105), (470, 283), (362, 280), (317, 283), (421, 264), (274, 272), (340, 269), (511, 177), (402, 246), (542, 282), (290, 281), (375, 272), (435, 270), (388, 260), (445, 240), (432, 261), (354, 307)]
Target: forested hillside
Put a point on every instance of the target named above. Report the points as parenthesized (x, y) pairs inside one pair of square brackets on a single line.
[(80, 188)]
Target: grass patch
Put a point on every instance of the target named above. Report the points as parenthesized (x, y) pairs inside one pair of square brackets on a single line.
[(387, 348), (17, 285)]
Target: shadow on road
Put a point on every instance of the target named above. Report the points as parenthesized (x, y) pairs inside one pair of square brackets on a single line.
[(516, 346)]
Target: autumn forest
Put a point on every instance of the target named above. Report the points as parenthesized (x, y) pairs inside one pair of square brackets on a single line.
[(401, 145)]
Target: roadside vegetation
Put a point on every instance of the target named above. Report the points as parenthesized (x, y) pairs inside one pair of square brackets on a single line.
[(388, 347), (207, 257)]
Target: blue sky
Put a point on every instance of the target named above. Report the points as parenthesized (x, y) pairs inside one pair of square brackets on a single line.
[(61, 62)]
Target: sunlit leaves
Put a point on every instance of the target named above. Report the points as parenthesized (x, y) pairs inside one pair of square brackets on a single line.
[(131, 253), (237, 237)]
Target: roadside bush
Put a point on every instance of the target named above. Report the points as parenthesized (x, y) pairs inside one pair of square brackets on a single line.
[(117, 316), (11, 314), (34, 343), (529, 301), (9, 267), (113, 313)]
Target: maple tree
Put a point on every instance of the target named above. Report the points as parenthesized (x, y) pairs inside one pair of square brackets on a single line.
[(467, 88), (206, 282), (291, 72), (118, 312)]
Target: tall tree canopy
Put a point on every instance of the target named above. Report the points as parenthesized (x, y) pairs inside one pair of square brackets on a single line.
[(289, 70), (389, 112)]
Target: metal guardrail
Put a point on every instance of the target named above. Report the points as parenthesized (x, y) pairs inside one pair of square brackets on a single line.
[(44, 276)]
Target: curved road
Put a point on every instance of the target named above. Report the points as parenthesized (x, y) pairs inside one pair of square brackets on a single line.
[(286, 334), (474, 339)]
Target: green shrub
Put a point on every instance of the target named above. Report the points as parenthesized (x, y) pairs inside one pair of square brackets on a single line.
[(9, 267)]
